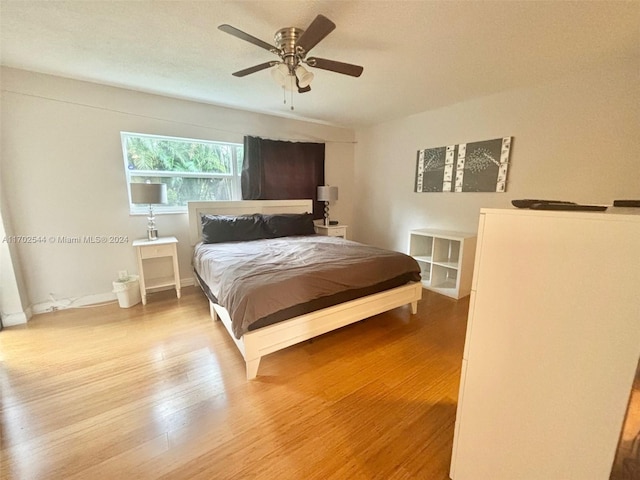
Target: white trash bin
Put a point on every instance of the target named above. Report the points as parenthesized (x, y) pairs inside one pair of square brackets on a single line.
[(128, 291)]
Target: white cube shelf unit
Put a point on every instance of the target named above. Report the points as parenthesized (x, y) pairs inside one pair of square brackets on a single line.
[(446, 260)]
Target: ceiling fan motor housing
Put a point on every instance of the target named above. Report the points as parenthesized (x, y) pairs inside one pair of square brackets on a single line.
[(292, 45), (286, 40)]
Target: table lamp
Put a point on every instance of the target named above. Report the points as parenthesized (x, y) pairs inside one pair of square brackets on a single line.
[(327, 194), (150, 194)]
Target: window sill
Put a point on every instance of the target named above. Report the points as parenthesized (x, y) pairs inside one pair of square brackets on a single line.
[(157, 213)]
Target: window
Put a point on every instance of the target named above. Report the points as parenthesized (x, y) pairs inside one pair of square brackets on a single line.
[(194, 170)]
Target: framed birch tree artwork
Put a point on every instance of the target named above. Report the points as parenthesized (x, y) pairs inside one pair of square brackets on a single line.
[(466, 167)]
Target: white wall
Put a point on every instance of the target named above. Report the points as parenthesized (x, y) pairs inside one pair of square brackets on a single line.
[(14, 307), (575, 139), (63, 173), (62, 168)]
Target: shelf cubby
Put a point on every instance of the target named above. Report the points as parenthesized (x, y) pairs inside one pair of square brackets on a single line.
[(445, 258), (444, 277)]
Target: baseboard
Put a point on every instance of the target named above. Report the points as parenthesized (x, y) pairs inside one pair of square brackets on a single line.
[(184, 282), (79, 302), (18, 318), (86, 301)]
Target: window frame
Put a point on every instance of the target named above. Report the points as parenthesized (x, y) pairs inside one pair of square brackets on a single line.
[(135, 209)]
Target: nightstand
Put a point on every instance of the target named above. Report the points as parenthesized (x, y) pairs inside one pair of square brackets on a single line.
[(162, 247), (332, 230)]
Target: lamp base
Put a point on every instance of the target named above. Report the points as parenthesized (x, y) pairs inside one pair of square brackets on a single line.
[(152, 234), (326, 214)]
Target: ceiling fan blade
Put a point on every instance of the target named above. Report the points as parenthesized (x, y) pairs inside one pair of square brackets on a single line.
[(333, 66), (254, 69), (246, 37), (319, 28)]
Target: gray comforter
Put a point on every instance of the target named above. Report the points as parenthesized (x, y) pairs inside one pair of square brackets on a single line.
[(255, 279)]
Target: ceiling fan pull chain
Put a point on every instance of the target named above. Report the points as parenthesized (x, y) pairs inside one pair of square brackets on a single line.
[(292, 99), (284, 95)]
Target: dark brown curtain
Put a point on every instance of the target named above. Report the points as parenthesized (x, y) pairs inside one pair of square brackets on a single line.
[(277, 170)]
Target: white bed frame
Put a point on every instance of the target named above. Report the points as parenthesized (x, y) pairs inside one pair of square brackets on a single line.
[(255, 344)]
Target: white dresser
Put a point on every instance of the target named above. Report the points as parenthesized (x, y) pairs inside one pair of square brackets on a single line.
[(552, 345)]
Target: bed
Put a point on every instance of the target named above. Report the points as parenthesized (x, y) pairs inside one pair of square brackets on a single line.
[(272, 326)]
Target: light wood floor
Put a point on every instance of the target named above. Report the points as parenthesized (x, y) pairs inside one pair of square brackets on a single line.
[(160, 392)]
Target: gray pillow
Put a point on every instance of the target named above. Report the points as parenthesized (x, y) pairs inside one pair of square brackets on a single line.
[(289, 224), (232, 228)]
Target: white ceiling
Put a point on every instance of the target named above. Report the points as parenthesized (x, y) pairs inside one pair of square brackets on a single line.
[(417, 55)]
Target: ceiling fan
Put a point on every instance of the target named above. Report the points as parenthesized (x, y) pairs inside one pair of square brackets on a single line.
[(292, 45)]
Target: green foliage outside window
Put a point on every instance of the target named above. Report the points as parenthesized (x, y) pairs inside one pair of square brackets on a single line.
[(193, 170)]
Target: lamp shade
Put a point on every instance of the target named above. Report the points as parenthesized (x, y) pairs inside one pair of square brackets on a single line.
[(148, 193), (280, 74), (304, 76), (327, 193)]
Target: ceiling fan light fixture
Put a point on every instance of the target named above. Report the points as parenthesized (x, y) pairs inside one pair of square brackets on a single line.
[(292, 45), (305, 77), (280, 74)]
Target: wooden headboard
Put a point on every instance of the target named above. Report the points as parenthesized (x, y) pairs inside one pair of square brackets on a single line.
[(242, 207)]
